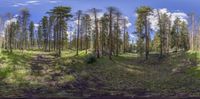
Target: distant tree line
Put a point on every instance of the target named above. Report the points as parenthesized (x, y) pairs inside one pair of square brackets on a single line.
[(106, 35), (103, 36)]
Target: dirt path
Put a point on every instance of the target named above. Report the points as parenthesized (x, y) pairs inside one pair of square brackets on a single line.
[(43, 72), (41, 63)]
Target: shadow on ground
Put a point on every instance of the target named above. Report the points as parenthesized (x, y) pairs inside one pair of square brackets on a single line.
[(125, 77)]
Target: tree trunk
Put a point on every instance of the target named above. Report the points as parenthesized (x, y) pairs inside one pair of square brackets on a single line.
[(77, 39), (147, 38), (124, 36), (117, 49), (161, 36), (97, 34), (110, 35)]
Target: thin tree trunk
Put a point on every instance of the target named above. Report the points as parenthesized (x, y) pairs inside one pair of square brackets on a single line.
[(124, 36), (117, 49), (147, 39), (77, 39), (192, 35), (161, 36), (110, 35), (97, 35)]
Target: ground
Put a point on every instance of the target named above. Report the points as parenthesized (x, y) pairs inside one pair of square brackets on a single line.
[(41, 74)]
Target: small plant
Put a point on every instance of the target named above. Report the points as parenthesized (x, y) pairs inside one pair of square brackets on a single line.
[(90, 59)]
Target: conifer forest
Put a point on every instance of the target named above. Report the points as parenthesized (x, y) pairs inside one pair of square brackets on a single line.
[(99, 49)]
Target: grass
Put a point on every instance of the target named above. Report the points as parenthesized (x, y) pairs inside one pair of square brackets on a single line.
[(128, 74)]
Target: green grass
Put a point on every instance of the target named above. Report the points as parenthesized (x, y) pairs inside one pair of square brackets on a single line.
[(195, 70), (128, 73), (14, 70)]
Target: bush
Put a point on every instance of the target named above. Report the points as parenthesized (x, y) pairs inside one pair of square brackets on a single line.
[(90, 59), (4, 72)]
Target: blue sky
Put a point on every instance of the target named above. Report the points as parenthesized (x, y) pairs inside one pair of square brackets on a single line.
[(38, 8)]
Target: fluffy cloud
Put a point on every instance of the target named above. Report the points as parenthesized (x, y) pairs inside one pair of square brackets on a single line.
[(181, 15), (36, 25), (153, 18), (8, 22), (3, 25), (128, 23), (99, 15)]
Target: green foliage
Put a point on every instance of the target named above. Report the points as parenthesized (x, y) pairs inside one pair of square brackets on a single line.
[(4, 72), (143, 10), (179, 35), (142, 30), (194, 57), (91, 59), (61, 15), (31, 30), (184, 36), (156, 43)]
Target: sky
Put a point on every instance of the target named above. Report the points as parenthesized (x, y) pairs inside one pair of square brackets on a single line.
[(38, 8)]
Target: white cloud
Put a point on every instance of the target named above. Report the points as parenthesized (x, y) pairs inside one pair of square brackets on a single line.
[(6, 23), (16, 15), (136, 15), (99, 15), (182, 16), (126, 18), (31, 2), (19, 4), (36, 25), (128, 23), (153, 18), (54, 1), (76, 22), (2, 33)]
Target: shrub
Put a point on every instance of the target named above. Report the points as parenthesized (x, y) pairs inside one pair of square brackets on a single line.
[(90, 59)]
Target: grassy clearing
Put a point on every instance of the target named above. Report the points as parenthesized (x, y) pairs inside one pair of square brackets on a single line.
[(126, 74), (129, 74)]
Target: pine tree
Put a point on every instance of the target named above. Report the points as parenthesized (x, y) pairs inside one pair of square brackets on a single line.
[(94, 12), (175, 40), (24, 20), (61, 14), (142, 26), (79, 13), (184, 36), (31, 30), (45, 31)]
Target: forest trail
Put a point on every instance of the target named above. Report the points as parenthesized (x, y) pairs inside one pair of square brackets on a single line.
[(41, 63), (43, 71)]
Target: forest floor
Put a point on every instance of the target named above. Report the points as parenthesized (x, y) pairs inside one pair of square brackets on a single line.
[(41, 74)]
